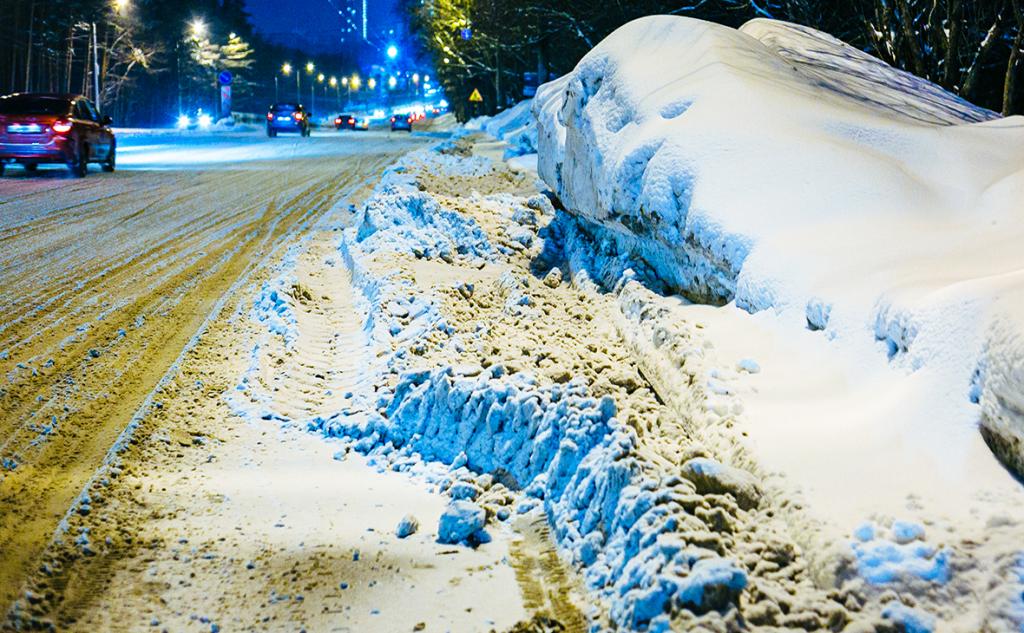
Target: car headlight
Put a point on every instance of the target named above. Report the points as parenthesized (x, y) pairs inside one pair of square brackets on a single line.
[(183, 122)]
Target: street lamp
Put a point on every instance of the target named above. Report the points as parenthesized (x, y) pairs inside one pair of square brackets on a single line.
[(415, 78), (392, 82), (198, 28), (372, 83), (310, 67), (120, 6), (392, 51)]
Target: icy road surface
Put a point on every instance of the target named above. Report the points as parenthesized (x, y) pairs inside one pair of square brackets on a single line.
[(107, 280)]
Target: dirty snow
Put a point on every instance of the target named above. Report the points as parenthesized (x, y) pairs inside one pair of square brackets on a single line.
[(859, 229)]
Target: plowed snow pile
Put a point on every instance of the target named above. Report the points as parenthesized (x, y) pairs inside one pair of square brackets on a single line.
[(860, 229)]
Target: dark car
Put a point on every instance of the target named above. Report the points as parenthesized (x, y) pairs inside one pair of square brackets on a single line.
[(401, 122), (54, 128), (345, 122), (287, 117)]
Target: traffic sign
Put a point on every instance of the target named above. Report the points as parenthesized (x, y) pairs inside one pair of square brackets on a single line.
[(476, 97), (225, 77)]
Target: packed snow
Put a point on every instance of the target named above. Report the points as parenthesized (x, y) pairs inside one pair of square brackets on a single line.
[(516, 126), (865, 223)]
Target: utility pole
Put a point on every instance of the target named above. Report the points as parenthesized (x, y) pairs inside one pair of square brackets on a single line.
[(95, 67), (28, 54)]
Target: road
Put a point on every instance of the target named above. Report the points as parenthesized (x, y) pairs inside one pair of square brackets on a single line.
[(107, 280)]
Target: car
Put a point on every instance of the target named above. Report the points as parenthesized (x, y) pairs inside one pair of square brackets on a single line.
[(401, 122), (344, 122), (361, 123), (37, 128), (287, 117)]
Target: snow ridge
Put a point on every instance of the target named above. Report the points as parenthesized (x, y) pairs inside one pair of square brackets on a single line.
[(563, 449)]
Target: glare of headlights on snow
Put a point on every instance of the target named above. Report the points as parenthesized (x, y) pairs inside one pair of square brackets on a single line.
[(205, 121), (183, 122)]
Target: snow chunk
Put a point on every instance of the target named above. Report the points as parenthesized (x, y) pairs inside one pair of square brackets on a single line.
[(397, 220), (407, 526), (460, 521), (908, 620), (904, 555), (711, 477)]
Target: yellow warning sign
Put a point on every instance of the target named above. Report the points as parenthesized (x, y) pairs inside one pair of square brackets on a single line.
[(476, 96)]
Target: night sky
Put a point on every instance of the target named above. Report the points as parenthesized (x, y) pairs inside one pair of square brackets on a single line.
[(318, 20)]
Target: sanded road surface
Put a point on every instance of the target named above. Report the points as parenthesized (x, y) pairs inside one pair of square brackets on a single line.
[(104, 281)]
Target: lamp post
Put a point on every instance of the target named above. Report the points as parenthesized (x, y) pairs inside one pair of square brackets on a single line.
[(319, 79), (286, 70), (310, 67)]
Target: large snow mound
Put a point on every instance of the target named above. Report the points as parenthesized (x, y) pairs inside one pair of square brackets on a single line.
[(777, 167)]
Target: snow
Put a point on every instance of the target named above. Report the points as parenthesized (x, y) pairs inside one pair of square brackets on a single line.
[(909, 620), (854, 235), (461, 521), (560, 449), (903, 555), (402, 219), (516, 126)]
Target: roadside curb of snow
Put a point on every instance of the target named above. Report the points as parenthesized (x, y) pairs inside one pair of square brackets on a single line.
[(567, 453)]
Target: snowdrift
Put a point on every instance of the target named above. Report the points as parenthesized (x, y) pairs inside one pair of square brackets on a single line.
[(516, 126), (778, 168)]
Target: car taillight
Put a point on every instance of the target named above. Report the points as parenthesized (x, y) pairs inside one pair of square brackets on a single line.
[(62, 127), (298, 116), (337, 121)]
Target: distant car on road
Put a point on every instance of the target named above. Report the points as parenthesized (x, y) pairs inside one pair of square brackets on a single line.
[(40, 128), (344, 122), (361, 123), (401, 122), (287, 117)]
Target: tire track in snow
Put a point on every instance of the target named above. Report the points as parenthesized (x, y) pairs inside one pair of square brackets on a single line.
[(143, 289)]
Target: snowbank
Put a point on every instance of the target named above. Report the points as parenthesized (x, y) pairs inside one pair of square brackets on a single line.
[(636, 535), (1001, 374), (778, 168), (516, 126)]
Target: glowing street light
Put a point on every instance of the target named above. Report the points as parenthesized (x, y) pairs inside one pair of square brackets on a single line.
[(197, 28), (426, 79), (310, 67), (392, 82), (372, 83), (120, 6), (392, 51), (320, 77), (333, 82), (344, 81), (415, 78), (286, 69), (355, 82)]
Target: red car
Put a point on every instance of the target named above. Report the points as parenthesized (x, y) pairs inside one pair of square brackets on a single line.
[(54, 128)]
